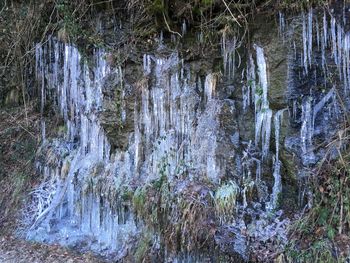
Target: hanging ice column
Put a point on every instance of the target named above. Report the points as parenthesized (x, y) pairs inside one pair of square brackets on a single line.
[(332, 36), (39, 74), (78, 94), (209, 86), (262, 111), (228, 49), (306, 132), (164, 127), (307, 40), (277, 187), (249, 89)]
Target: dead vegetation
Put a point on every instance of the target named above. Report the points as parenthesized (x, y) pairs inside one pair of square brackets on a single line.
[(18, 142), (181, 218), (24, 23), (321, 233), (20, 138), (13, 250)]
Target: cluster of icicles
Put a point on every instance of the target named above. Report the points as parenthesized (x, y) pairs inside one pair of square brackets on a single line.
[(70, 205), (332, 36), (256, 93), (67, 207), (320, 34)]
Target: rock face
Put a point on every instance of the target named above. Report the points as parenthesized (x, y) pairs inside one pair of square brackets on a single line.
[(141, 132), (117, 117), (214, 140)]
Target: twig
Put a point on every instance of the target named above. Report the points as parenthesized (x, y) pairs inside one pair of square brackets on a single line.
[(20, 125), (234, 18), (167, 25), (3, 8)]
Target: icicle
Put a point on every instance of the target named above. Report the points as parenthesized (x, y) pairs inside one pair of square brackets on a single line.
[(340, 50), (325, 29), (258, 170), (228, 47), (346, 62), (305, 45), (252, 82), (263, 130), (248, 163), (209, 86), (277, 187), (246, 96), (334, 40), (79, 97), (261, 62), (263, 112), (317, 34), (282, 24), (310, 35), (306, 132), (161, 38), (295, 107), (307, 36), (278, 119), (184, 28), (40, 72)]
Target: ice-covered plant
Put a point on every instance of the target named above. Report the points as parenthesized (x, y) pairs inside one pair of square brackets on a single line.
[(225, 201)]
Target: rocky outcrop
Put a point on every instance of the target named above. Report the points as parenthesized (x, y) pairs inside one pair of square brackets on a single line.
[(178, 145)]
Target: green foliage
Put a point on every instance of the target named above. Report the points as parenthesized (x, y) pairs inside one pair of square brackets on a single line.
[(69, 21), (321, 251), (139, 200), (163, 166), (199, 7), (157, 7), (127, 194), (259, 91), (248, 187), (62, 130), (182, 168), (73, 21), (207, 2), (250, 82), (152, 200), (180, 216), (157, 184), (225, 200)]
